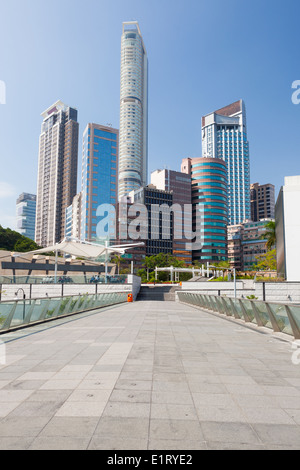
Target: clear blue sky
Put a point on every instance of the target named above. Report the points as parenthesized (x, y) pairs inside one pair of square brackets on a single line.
[(203, 55)]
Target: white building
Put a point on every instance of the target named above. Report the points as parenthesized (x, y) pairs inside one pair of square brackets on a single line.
[(224, 136), (133, 150), (287, 218)]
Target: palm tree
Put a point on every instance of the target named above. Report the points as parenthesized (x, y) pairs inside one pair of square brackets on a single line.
[(116, 259), (270, 235)]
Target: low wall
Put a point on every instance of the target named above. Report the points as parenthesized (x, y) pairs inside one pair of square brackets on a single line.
[(40, 291), (36, 291), (281, 292), (135, 282)]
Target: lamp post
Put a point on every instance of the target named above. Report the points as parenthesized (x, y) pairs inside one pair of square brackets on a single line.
[(24, 298)]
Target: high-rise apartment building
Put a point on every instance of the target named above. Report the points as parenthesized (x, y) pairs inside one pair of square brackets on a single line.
[(180, 184), (210, 211), (262, 198), (99, 181), (133, 155), (26, 209), (57, 172), (224, 136)]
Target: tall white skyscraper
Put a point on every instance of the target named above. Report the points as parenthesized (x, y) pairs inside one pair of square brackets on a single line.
[(133, 150), (224, 136)]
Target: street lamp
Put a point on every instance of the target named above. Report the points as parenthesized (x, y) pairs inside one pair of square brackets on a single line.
[(24, 297)]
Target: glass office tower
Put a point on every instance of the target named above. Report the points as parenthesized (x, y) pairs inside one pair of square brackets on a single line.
[(26, 209), (99, 183), (209, 199), (133, 157), (224, 136)]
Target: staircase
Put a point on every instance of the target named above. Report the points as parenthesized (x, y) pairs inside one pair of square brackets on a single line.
[(157, 293)]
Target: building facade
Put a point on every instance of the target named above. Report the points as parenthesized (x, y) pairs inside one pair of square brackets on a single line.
[(246, 242), (73, 218), (133, 155), (224, 136), (288, 229), (235, 234), (26, 210), (99, 181), (210, 211), (157, 227), (57, 172), (254, 243), (180, 184), (262, 197)]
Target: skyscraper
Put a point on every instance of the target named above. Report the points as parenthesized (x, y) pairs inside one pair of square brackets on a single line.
[(133, 155), (99, 184), (224, 135), (262, 198), (26, 208), (57, 172), (209, 198), (180, 184)]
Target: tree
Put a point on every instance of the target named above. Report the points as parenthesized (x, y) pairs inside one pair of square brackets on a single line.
[(161, 260), (267, 261), (24, 245), (14, 241), (270, 235), (116, 259)]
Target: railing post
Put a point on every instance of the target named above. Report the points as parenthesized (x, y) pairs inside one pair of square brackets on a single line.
[(273, 319), (246, 316), (235, 312), (256, 314), (293, 324), (28, 316)]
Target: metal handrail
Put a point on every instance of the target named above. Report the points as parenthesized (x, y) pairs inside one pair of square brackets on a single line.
[(279, 316), (50, 308)]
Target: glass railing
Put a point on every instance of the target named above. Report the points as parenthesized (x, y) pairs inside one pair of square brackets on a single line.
[(281, 318), (73, 279), (17, 314)]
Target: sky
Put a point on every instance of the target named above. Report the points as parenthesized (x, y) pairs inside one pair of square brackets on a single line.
[(203, 55)]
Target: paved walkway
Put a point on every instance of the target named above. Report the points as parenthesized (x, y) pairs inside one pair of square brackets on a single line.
[(148, 375)]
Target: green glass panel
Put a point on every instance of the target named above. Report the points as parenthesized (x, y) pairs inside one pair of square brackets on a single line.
[(249, 309), (263, 314), (5, 310)]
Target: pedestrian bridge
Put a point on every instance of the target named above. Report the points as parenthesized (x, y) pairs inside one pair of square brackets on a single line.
[(149, 375)]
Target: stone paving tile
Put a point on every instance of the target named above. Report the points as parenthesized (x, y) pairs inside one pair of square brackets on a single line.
[(136, 428), (175, 429), (107, 443), (166, 376), (238, 433), (63, 443), (69, 426), (170, 444), (15, 443)]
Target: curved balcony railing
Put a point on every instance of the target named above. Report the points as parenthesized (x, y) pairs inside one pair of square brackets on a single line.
[(281, 318), (20, 313)]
